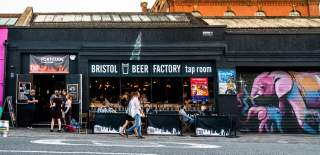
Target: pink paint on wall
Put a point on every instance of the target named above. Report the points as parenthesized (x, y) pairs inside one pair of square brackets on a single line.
[(3, 37)]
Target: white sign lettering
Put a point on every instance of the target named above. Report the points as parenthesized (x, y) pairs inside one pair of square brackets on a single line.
[(166, 68), (198, 69), (50, 60), (111, 69), (140, 69)]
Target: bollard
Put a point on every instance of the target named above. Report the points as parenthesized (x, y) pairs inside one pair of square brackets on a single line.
[(4, 128)]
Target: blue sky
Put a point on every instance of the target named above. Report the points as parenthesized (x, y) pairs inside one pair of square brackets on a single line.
[(18, 6)]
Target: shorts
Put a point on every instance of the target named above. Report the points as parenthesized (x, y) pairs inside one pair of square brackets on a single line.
[(129, 118)]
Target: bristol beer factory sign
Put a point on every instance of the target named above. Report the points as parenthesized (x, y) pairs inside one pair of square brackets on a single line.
[(150, 69)]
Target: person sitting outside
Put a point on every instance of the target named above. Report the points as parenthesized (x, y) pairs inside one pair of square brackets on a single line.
[(184, 116), (205, 111)]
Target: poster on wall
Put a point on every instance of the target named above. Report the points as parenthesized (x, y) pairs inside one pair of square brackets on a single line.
[(72, 89), (24, 90), (227, 84), (49, 64), (199, 90)]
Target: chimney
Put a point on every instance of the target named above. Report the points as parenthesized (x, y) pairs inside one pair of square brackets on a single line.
[(144, 6), (25, 18)]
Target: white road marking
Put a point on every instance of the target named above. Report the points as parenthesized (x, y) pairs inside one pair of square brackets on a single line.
[(127, 144), (59, 152), (195, 145)]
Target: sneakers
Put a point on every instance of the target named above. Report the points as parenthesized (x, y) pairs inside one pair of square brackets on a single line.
[(121, 134), (29, 127), (57, 130)]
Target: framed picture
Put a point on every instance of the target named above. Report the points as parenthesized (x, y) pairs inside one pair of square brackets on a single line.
[(227, 81), (24, 90), (72, 89)]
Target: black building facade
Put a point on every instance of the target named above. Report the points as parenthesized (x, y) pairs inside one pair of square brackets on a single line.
[(161, 60)]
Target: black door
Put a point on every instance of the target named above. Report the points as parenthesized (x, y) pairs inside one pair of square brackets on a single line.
[(24, 85), (45, 85)]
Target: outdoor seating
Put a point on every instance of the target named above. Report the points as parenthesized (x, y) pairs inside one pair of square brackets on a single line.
[(83, 125), (185, 127)]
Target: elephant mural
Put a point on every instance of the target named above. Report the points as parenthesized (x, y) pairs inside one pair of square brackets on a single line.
[(270, 118), (298, 91)]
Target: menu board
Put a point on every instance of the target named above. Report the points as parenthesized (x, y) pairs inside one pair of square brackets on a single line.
[(24, 90), (72, 89), (199, 90)]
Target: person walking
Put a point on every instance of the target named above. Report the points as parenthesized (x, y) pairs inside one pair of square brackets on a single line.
[(55, 105), (31, 104), (135, 111), (125, 102)]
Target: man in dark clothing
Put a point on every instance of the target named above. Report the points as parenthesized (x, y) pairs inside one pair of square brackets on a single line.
[(31, 106)]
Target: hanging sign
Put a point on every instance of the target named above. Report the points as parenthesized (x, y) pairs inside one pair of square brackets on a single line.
[(49, 64)]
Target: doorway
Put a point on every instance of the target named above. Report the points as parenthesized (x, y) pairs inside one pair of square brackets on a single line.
[(45, 86)]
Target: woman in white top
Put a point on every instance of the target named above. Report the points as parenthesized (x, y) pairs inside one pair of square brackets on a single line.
[(67, 110)]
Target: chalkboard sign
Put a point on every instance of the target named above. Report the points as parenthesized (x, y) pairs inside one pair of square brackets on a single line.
[(8, 102), (24, 90), (72, 89)]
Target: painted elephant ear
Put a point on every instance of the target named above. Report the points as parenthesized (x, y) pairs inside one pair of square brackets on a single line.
[(283, 83)]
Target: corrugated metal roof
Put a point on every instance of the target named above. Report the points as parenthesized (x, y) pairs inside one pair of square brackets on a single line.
[(114, 20), (7, 21), (111, 17), (274, 22)]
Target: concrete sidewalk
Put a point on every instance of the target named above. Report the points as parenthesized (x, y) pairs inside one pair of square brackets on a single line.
[(242, 137)]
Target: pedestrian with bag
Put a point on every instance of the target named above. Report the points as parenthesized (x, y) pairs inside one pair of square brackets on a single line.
[(135, 111), (125, 102)]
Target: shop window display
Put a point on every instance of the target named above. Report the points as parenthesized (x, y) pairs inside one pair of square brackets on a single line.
[(104, 92), (157, 93)]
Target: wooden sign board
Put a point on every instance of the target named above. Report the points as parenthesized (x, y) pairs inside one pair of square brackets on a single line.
[(8, 102)]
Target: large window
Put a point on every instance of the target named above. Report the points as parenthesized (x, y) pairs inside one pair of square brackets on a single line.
[(143, 85), (260, 13), (162, 85), (294, 13), (105, 90), (166, 90), (229, 13), (160, 93), (189, 98)]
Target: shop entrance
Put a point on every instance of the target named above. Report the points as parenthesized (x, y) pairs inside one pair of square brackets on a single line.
[(45, 86)]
